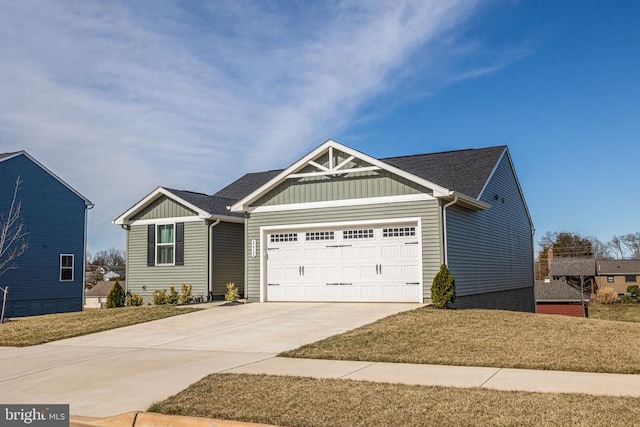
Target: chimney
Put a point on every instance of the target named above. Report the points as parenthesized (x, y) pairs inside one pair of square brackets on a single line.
[(549, 259)]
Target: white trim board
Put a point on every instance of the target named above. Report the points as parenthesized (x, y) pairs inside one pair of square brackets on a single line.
[(341, 203)]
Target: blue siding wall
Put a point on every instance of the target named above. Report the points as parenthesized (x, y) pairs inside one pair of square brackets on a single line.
[(491, 251), (54, 217)]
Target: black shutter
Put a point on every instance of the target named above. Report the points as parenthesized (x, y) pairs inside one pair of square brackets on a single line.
[(151, 245), (179, 243)]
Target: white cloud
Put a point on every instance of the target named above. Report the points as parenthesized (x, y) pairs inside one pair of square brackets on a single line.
[(120, 97)]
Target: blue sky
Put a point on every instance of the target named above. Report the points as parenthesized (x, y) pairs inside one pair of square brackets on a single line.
[(120, 97)]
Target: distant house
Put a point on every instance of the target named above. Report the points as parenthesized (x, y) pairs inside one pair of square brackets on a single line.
[(111, 275), (49, 276), (96, 297), (557, 297), (578, 272), (617, 273), (339, 225)]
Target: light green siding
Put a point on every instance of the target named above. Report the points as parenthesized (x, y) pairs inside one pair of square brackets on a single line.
[(427, 210), (353, 186), (164, 207), (492, 250), (193, 272), (228, 257)]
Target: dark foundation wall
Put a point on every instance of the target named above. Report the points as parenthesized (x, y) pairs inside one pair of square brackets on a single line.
[(514, 299)]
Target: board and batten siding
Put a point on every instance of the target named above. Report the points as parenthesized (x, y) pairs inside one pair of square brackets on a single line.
[(491, 250), (427, 210), (54, 218), (193, 272), (354, 186), (228, 257), (163, 207)]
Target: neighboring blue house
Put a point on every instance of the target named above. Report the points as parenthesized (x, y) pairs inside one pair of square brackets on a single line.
[(49, 275)]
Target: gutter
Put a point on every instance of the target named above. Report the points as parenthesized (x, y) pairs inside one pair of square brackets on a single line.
[(209, 263)]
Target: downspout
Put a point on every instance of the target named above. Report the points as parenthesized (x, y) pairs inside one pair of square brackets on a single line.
[(444, 226), (84, 254), (535, 304), (209, 261)]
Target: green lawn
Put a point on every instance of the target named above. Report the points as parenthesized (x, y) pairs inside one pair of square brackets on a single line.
[(25, 331), (620, 312), (488, 338), (296, 401)]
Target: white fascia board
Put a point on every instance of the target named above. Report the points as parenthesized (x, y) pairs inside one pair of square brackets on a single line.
[(87, 202), (240, 206), (341, 203), (466, 201), (155, 194)]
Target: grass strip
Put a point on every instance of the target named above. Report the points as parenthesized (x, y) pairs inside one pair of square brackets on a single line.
[(26, 331), (491, 338), (297, 401)]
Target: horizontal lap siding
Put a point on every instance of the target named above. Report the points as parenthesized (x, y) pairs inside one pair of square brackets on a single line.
[(54, 218), (428, 211), (564, 309), (193, 272), (228, 257), (491, 250)]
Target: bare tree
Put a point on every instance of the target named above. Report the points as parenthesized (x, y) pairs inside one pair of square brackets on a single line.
[(599, 249), (632, 242), (13, 233), (112, 257), (617, 246), (13, 240)]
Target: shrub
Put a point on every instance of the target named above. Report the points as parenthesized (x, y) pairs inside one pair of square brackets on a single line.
[(160, 296), (116, 297), (134, 300), (627, 299), (634, 290), (606, 295), (232, 294), (172, 296), (443, 289), (185, 296)]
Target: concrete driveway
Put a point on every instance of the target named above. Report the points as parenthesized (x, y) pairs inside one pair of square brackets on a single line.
[(128, 369)]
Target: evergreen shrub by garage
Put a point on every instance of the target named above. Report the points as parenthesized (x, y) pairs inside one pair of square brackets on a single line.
[(443, 289)]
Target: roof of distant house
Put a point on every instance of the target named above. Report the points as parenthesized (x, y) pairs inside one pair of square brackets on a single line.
[(573, 267), (617, 266), (102, 289), (556, 291)]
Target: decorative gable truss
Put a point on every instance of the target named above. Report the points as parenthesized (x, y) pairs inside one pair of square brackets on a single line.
[(332, 162)]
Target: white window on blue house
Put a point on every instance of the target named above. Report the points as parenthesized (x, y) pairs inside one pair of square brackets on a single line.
[(165, 244), (66, 267)]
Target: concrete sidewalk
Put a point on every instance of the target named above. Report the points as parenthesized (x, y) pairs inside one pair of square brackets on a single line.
[(451, 376)]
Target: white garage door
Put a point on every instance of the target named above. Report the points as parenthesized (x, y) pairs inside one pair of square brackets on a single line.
[(345, 264)]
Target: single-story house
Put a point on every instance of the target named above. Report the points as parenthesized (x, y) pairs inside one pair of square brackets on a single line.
[(96, 297), (341, 225), (49, 276), (578, 272), (557, 297), (617, 273)]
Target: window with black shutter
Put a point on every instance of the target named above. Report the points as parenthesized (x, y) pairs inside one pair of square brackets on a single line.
[(165, 244)]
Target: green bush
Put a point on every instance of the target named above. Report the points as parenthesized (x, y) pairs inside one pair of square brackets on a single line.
[(116, 297), (634, 290), (134, 300), (232, 294), (443, 289), (627, 299), (185, 295), (172, 296), (160, 296)]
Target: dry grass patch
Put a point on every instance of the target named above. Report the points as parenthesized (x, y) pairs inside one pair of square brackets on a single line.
[(620, 312), (488, 338), (295, 401), (25, 331)]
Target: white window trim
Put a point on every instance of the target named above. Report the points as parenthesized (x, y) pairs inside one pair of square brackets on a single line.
[(73, 264), (173, 261)]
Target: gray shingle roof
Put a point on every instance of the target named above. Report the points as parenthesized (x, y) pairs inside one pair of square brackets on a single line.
[(617, 266), (212, 204), (556, 291), (464, 171), (246, 184), (102, 289), (573, 267)]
